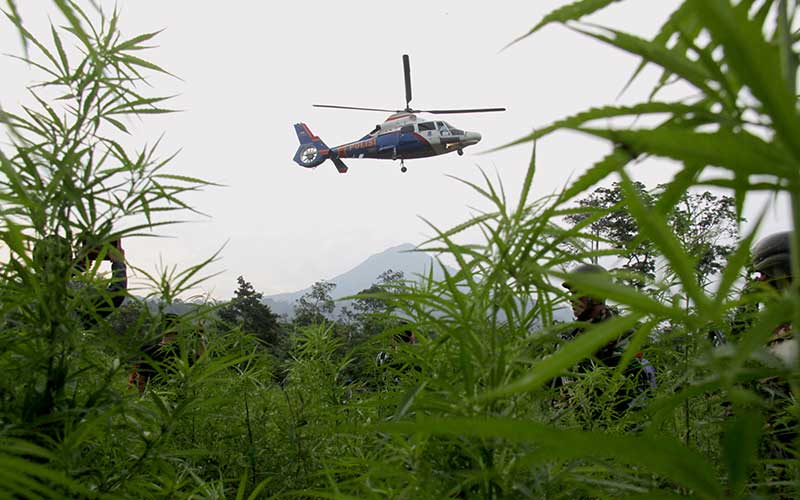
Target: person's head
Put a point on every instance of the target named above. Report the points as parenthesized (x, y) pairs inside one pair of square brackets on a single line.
[(772, 260), (585, 307)]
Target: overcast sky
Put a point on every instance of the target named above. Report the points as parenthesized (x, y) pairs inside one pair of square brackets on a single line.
[(249, 70)]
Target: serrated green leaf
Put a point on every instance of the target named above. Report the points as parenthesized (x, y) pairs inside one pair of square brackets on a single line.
[(736, 263), (61, 54), (755, 62), (17, 21), (570, 12), (600, 286), (677, 22), (133, 43), (138, 61), (613, 162), (740, 448), (145, 111), (664, 456), (184, 178), (741, 152), (674, 190), (568, 356), (677, 64), (656, 228), (526, 185), (574, 121), (116, 123), (68, 9)]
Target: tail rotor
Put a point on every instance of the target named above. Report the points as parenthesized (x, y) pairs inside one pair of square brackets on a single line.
[(312, 151)]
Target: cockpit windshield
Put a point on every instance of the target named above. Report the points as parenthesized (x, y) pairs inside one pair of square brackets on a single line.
[(454, 130)]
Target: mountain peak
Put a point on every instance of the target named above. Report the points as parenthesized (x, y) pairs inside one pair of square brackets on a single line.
[(398, 258)]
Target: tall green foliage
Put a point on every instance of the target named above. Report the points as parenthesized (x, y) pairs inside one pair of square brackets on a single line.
[(468, 411), (740, 60), (69, 190)]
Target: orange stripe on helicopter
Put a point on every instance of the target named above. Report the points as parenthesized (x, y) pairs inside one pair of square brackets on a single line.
[(355, 147), (397, 117), (310, 134)]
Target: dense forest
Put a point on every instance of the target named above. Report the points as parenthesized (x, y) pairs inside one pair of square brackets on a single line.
[(666, 384)]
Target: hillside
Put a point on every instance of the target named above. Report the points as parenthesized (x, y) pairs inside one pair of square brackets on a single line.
[(398, 258)]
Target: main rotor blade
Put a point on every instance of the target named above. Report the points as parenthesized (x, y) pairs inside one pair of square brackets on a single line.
[(407, 74), (454, 111), (356, 108)]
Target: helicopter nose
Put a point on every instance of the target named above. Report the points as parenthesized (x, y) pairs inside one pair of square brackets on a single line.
[(473, 137)]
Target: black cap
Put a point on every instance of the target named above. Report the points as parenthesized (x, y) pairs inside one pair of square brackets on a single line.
[(773, 252)]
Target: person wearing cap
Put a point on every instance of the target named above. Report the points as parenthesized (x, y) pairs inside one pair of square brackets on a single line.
[(772, 263), (772, 260), (591, 309), (586, 307)]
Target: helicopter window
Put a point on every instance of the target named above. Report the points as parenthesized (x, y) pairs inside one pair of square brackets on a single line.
[(427, 126), (454, 130), (407, 129), (441, 126)]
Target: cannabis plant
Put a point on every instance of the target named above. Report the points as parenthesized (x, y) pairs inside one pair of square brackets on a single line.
[(738, 129), (71, 192)]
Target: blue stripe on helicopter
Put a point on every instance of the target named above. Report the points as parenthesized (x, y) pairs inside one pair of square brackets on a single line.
[(388, 145)]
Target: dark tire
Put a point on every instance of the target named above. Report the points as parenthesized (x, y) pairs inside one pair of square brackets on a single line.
[(403, 169), (460, 152)]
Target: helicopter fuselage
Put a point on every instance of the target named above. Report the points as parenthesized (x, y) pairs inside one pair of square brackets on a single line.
[(405, 136)]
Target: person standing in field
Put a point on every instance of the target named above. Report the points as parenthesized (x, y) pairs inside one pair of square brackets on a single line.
[(772, 262), (66, 300), (591, 309), (773, 266)]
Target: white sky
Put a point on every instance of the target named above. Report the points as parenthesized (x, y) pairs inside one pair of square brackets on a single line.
[(250, 70)]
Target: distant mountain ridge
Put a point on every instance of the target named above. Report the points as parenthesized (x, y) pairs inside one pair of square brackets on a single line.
[(399, 258)]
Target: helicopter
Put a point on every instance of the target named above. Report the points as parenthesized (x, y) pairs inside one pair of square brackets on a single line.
[(402, 136)]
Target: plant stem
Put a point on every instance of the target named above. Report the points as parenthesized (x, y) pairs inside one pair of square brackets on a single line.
[(250, 439), (686, 415), (795, 255)]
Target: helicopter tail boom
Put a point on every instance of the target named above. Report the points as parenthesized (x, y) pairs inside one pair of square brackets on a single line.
[(312, 151)]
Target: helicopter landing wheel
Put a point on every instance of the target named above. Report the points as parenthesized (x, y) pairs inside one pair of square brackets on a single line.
[(460, 152), (403, 169)]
